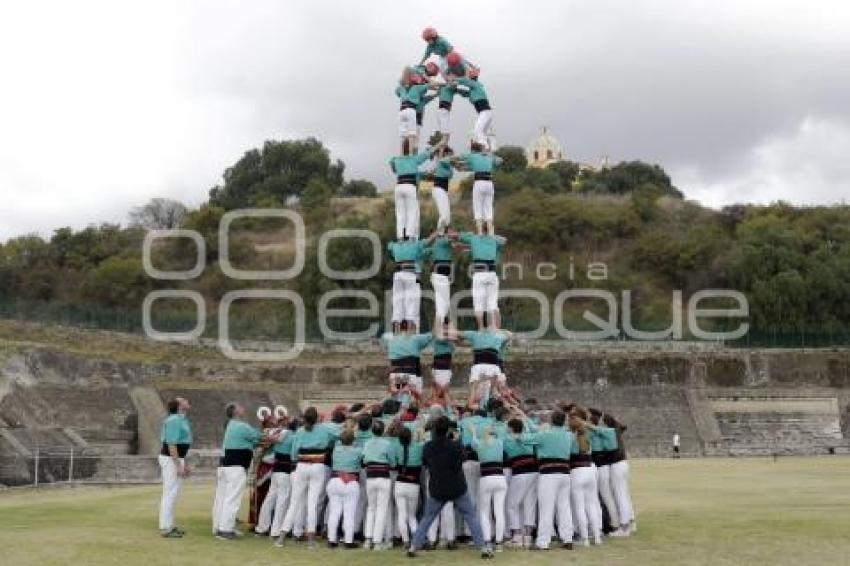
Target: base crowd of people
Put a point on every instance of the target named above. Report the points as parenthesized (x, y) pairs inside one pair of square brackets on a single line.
[(414, 474)]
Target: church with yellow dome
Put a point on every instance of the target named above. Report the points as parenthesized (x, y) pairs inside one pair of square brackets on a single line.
[(545, 149)]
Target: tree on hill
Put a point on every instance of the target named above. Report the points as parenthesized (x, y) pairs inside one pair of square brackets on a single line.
[(513, 158), (626, 177), (282, 169), (158, 214)]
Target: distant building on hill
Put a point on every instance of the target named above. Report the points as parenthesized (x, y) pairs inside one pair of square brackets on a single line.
[(545, 149)]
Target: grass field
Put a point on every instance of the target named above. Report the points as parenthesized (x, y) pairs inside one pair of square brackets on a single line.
[(746, 511)]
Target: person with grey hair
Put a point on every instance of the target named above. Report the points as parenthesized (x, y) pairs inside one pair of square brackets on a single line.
[(176, 436), (240, 439)]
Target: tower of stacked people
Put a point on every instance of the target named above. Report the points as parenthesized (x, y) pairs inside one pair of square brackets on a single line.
[(529, 474), (442, 74)]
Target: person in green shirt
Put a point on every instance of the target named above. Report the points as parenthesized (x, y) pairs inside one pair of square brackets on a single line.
[(441, 170), (176, 437), (404, 350), (522, 490), (407, 167), (482, 164), (344, 488), (583, 479), (406, 490), (492, 486), (407, 293), (441, 48), (471, 88), (414, 93), (378, 460), (555, 445), (240, 439), (486, 251), (310, 447)]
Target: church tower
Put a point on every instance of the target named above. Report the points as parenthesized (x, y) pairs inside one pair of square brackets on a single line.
[(544, 150)]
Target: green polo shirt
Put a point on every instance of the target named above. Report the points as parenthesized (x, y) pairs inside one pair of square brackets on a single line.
[(400, 346), (408, 164), (239, 435), (481, 162)]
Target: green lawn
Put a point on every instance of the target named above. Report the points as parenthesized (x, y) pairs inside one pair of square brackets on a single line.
[(746, 511)]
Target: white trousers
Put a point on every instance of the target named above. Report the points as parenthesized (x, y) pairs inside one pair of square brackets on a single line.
[(553, 498), (406, 504), (606, 493), (482, 200), (444, 207), (218, 502), (444, 120), (377, 506), (622, 494), (585, 502), (278, 503), (270, 503), (172, 483), (407, 122), (342, 502), (522, 493), (491, 504), (235, 478), (308, 482), (442, 295), (407, 296), (406, 211), (485, 291), (484, 127), (362, 500)]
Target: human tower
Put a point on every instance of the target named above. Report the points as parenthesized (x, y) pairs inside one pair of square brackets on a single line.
[(532, 474), (443, 74)]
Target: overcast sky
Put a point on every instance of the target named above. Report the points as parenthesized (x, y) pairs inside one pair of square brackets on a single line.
[(104, 105)]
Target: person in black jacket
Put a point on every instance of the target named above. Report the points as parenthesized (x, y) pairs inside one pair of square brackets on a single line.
[(444, 457)]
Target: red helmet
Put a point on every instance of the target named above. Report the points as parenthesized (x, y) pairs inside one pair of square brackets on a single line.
[(429, 33), (453, 58), (473, 73), (431, 69)]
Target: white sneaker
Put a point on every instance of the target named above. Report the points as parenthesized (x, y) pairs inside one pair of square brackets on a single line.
[(584, 542), (619, 533), (597, 540), (633, 527)]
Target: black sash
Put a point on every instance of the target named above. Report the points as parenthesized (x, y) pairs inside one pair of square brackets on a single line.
[(487, 356), (406, 266), (411, 474), (409, 365), (442, 361), (482, 105), (442, 267), (182, 449), (554, 466), (482, 176), (581, 461), (237, 457), (282, 463), (377, 470), (441, 182), (492, 469), (406, 180), (525, 464)]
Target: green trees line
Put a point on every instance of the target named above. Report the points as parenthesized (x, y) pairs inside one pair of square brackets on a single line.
[(792, 263)]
